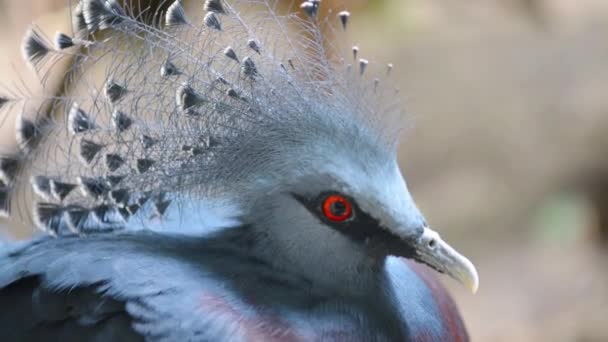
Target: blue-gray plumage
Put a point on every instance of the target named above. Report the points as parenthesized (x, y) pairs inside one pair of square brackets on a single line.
[(131, 286), (226, 181)]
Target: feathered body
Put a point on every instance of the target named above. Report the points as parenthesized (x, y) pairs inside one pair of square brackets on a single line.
[(181, 186), (174, 288)]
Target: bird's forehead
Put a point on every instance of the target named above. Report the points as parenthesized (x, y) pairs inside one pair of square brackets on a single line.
[(356, 166), (377, 186)]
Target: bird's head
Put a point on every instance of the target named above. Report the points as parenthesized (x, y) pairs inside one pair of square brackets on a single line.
[(339, 210), (302, 140)]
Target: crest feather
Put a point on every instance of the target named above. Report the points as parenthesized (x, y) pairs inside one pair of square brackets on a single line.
[(189, 105)]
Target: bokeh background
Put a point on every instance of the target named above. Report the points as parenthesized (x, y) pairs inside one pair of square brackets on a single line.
[(506, 151)]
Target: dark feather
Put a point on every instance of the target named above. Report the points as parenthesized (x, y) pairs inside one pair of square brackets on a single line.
[(114, 161), (363, 66), (79, 24), (229, 52), (107, 214), (60, 190), (143, 200), (311, 8), (222, 80), (169, 69), (133, 208), (161, 205), (235, 94), (35, 47), (211, 141), (214, 6), (28, 134), (148, 141), (89, 149), (212, 21), (101, 14), (3, 101), (93, 187), (176, 15), (253, 45), (5, 201), (344, 16), (144, 165), (79, 121), (42, 186), (113, 180), (49, 217), (187, 99), (63, 41), (120, 197), (194, 150), (114, 92), (124, 213), (248, 67), (121, 121), (9, 165), (76, 217)]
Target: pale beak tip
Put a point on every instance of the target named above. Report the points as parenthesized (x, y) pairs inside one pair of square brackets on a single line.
[(474, 283), (468, 275), (470, 278)]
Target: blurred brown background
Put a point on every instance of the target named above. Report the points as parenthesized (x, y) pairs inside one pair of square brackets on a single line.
[(507, 153)]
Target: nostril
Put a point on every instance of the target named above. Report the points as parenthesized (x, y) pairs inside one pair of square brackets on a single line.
[(432, 243)]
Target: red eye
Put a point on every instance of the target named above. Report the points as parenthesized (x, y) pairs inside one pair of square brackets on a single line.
[(337, 208)]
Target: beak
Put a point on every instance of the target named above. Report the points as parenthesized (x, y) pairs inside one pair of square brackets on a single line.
[(433, 251)]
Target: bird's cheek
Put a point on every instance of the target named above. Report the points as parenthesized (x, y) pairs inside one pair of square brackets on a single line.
[(379, 246)]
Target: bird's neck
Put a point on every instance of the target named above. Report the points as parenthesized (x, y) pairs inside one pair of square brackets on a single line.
[(327, 273), (353, 287)]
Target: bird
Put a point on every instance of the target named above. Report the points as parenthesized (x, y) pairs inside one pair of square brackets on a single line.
[(232, 177)]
